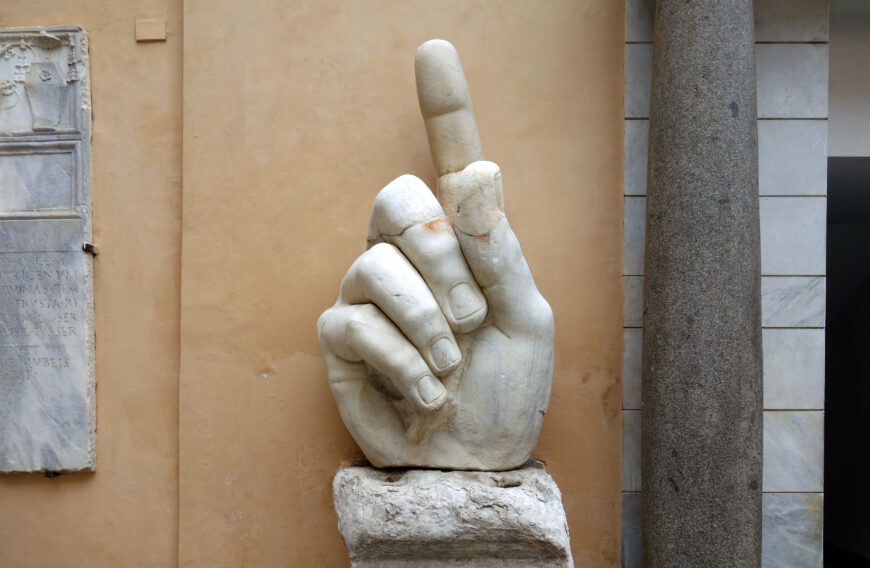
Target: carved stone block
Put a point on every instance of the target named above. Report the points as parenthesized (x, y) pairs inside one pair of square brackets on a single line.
[(47, 410), (432, 518)]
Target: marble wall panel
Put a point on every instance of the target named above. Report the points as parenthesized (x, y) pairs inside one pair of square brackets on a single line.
[(793, 231), (636, 145), (794, 369), (792, 80), (792, 157), (793, 302), (631, 469), (632, 527), (632, 344), (632, 301), (633, 235), (793, 451), (791, 530), (44, 178), (638, 79), (639, 20), (791, 20)]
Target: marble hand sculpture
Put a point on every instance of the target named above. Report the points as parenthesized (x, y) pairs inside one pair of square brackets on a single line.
[(439, 349)]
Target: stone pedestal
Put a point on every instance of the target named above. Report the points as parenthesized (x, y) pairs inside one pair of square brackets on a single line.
[(403, 518)]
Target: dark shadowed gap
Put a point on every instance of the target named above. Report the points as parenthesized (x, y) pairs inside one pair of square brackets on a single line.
[(847, 365)]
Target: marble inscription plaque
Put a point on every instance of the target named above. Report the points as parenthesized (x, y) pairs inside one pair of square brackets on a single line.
[(47, 413)]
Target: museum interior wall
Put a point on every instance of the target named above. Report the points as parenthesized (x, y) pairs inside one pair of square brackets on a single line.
[(293, 120), (125, 513), (792, 79), (217, 437)]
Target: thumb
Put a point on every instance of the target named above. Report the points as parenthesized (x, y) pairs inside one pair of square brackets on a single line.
[(473, 200)]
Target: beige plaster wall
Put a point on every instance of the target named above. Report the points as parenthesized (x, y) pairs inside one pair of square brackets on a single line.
[(295, 115), (125, 514)]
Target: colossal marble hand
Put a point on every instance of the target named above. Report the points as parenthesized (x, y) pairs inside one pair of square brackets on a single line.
[(440, 347)]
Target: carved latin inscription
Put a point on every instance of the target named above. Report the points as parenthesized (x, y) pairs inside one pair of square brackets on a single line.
[(47, 414)]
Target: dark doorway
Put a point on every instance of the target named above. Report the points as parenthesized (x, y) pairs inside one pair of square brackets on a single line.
[(847, 367)]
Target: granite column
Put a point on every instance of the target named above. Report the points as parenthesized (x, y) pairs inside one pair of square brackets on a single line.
[(702, 383)]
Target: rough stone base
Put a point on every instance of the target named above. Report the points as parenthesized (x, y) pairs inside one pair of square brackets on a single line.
[(412, 518)]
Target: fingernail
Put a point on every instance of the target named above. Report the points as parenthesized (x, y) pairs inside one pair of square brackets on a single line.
[(430, 389), (444, 353), (464, 301)]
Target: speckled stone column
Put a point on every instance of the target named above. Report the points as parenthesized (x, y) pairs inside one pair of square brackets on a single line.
[(702, 405)]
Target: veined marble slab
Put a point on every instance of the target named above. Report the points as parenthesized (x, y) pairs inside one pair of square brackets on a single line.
[(632, 301), (792, 530), (793, 231), (633, 235), (631, 456), (636, 147), (638, 78), (632, 531), (794, 450), (792, 157), (639, 20), (793, 302), (47, 409), (632, 347), (794, 369), (791, 20), (792, 80)]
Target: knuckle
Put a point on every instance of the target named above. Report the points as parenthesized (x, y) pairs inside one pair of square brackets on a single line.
[(321, 321), (395, 192), (435, 237), (379, 253), (361, 318), (370, 262), (420, 313), (405, 201), (541, 312)]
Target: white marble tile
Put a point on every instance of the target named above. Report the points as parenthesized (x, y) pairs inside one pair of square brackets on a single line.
[(631, 540), (633, 235), (631, 476), (639, 20), (792, 157), (793, 302), (791, 534), (632, 345), (37, 179), (632, 301), (793, 450), (792, 80), (635, 146), (793, 233), (638, 79), (791, 20), (794, 369)]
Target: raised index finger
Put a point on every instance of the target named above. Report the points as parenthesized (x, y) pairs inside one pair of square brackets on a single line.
[(446, 106)]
